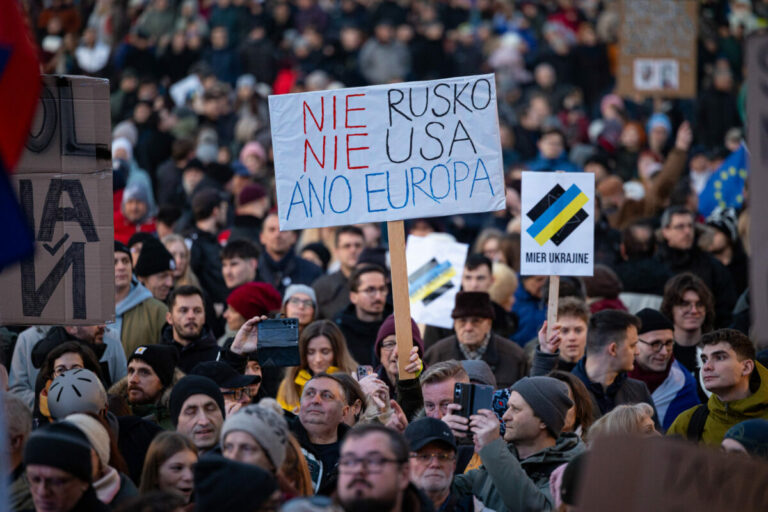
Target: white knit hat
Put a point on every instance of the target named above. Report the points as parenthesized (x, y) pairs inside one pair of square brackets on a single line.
[(97, 435)]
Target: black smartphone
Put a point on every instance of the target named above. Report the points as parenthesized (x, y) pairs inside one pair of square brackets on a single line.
[(472, 398), (278, 342)]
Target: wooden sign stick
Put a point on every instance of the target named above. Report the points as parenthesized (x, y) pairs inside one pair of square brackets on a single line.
[(552, 303), (400, 296)]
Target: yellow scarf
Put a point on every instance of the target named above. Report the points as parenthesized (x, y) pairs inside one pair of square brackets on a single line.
[(301, 379)]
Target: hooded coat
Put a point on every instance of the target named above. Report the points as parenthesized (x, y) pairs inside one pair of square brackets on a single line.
[(139, 318), (158, 412), (504, 482), (724, 415)]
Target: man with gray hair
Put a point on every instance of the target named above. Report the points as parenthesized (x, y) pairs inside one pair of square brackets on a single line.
[(19, 424)]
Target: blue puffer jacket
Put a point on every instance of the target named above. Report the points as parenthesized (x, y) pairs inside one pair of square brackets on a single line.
[(531, 312), (560, 163)]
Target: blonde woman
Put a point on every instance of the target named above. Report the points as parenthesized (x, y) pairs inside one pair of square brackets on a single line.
[(322, 348), (183, 274), (634, 419)]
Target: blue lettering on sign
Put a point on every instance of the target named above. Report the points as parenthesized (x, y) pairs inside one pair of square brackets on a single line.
[(412, 184)]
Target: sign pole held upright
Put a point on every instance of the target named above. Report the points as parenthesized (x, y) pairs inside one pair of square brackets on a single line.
[(400, 297), (552, 303)]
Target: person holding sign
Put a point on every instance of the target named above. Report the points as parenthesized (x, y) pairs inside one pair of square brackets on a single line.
[(611, 350)]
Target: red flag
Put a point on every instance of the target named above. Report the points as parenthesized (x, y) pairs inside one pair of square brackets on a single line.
[(19, 91), (19, 83)]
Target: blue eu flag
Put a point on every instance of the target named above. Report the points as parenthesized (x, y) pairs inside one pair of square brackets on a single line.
[(725, 188)]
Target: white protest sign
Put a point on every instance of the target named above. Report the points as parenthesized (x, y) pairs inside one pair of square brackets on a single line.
[(435, 265), (558, 225), (387, 152)]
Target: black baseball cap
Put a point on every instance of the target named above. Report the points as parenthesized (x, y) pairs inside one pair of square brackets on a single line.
[(427, 430), (224, 375)]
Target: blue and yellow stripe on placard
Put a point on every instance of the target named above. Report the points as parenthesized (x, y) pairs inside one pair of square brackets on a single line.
[(557, 215)]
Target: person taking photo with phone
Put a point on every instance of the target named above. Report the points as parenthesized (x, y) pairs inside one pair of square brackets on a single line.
[(322, 349)]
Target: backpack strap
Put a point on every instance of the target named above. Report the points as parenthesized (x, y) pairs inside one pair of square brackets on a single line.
[(696, 425)]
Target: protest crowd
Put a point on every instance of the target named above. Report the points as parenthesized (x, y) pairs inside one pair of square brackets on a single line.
[(179, 406)]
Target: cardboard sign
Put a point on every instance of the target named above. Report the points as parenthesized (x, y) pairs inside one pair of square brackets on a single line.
[(666, 475), (387, 152), (435, 267), (757, 141), (657, 48), (64, 183), (558, 225)]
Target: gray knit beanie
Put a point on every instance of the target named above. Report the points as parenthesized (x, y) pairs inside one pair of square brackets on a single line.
[(548, 398), (265, 425), (299, 288)]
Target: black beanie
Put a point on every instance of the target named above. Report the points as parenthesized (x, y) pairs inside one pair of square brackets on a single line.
[(230, 486), (652, 320), (60, 445), (139, 238), (193, 385), (121, 247), (153, 259), (162, 359)]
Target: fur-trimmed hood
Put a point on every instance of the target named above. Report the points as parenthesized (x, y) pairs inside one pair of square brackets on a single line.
[(120, 389)]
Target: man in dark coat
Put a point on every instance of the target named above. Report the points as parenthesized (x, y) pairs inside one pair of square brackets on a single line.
[(61, 453), (680, 253), (477, 277), (361, 320), (209, 207), (332, 290), (279, 265), (472, 320), (611, 350), (186, 329)]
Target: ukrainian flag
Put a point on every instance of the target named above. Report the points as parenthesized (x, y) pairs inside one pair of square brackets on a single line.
[(725, 188), (557, 215)]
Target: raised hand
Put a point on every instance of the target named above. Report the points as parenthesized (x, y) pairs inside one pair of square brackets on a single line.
[(247, 338), (551, 345)]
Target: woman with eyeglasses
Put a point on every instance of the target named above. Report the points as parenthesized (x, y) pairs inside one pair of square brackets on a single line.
[(322, 349), (67, 356), (300, 302)]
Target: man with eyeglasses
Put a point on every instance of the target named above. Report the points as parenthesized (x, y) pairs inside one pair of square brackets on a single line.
[(361, 319), (672, 387), (374, 474), (234, 387), (332, 290), (433, 463), (58, 464), (680, 253)]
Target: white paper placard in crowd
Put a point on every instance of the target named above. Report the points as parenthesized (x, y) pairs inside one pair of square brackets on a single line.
[(387, 152), (435, 266), (558, 225)]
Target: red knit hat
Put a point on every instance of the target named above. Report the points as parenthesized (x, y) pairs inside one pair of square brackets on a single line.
[(254, 299), (388, 328)]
